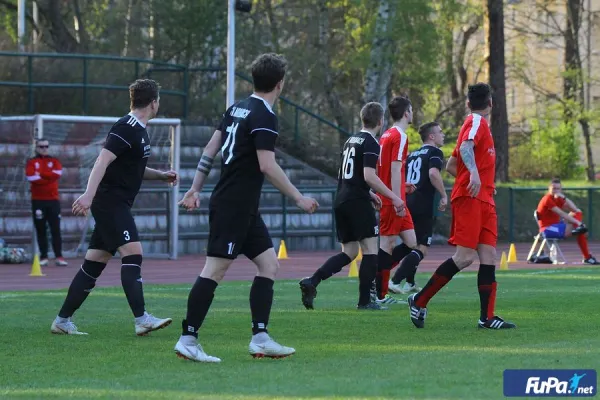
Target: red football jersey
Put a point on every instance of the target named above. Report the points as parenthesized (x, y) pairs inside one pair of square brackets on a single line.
[(43, 173), (476, 129), (394, 147), (546, 216)]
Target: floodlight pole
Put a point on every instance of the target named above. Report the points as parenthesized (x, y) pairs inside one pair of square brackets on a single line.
[(230, 53), (21, 24)]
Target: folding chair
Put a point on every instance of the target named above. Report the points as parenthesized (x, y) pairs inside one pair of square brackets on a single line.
[(554, 251)]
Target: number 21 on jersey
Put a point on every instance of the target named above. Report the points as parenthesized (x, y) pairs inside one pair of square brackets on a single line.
[(414, 171), (227, 149), (348, 163)]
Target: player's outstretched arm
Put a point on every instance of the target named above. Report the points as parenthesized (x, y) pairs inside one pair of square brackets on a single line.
[(570, 205), (84, 202), (151, 174), (378, 186), (438, 183), (567, 217), (275, 175), (191, 199), (451, 166), (467, 154)]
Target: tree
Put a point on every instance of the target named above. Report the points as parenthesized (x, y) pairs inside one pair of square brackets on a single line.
[(555, 26), (573, 89), (496, 64)]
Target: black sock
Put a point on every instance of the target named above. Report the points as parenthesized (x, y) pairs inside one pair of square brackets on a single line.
[(131, 280), (199, 301), (399, 252), (331, 267), (367, 271), (261, 299), (442, 275), (81, 286), (486, 284), (408, 267), (384, 263)]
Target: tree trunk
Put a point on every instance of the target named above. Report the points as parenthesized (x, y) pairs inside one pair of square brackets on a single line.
[(62, 39), (382, 57), (573, 88), (589, 157), (498, 83)]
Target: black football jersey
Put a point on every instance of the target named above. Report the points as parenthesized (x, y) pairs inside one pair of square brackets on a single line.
[(128, 140), (418, 165), (246, 127), (360, 150)]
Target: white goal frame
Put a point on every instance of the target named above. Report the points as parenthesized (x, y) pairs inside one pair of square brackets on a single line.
[(175, 133)]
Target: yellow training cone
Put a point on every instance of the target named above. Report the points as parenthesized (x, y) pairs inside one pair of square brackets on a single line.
[(36, 268), (282, 254), (353, 272), (512, 253), (359, 256), (503, 262)]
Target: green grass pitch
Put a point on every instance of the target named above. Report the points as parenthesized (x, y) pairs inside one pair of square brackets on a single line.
[(341, 353)]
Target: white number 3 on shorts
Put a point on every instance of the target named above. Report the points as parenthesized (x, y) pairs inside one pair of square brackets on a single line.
[(126, 235)]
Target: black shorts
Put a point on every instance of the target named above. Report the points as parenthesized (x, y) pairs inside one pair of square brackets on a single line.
[(423, 224), (355, 220), (114, 227), (233, 231)]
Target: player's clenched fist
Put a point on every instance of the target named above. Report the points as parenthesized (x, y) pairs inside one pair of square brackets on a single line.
[(308, 204), (399, 206), (170, 177), (190, 201)]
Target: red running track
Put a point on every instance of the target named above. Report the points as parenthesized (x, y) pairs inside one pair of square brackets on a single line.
[(186, 269)]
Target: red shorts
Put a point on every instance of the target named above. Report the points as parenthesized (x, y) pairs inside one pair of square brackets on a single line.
[(473, 222), (391, 224)]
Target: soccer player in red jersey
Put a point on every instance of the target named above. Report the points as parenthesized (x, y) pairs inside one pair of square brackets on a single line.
[(474, 220), (552, 219), (392, 160)]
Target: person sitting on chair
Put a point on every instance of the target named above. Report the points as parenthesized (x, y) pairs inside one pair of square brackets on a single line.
[(553, 219)]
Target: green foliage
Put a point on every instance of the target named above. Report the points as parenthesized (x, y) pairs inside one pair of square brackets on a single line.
[(550, 148)]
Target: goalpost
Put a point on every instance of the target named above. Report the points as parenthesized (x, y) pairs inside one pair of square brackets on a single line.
[(76, 141)]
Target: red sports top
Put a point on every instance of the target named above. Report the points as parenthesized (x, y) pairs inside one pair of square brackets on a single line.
[(394, 147), (547, 217), (43, 173), (477, 129)]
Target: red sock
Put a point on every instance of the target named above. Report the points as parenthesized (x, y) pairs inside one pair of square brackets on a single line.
[(487, 296), (440, 278), (431, 288), (582, 239), (385, 280), (583, 245)]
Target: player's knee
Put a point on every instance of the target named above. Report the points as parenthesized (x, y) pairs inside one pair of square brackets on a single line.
[(93, 269), (423, 250), (351, 249), (464, 257), (387, 243), (134, 260)]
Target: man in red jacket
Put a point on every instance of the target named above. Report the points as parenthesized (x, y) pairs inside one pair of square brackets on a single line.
[(43, 172)]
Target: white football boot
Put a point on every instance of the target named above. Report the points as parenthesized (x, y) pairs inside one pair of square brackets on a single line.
[(188, 348), (150, 323)]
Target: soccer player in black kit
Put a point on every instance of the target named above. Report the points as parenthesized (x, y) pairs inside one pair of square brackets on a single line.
[(354, 212), (423, 169), (246, 139), (113, 184)]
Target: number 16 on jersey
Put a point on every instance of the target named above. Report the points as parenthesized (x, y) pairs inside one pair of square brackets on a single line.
[(348, 163)]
